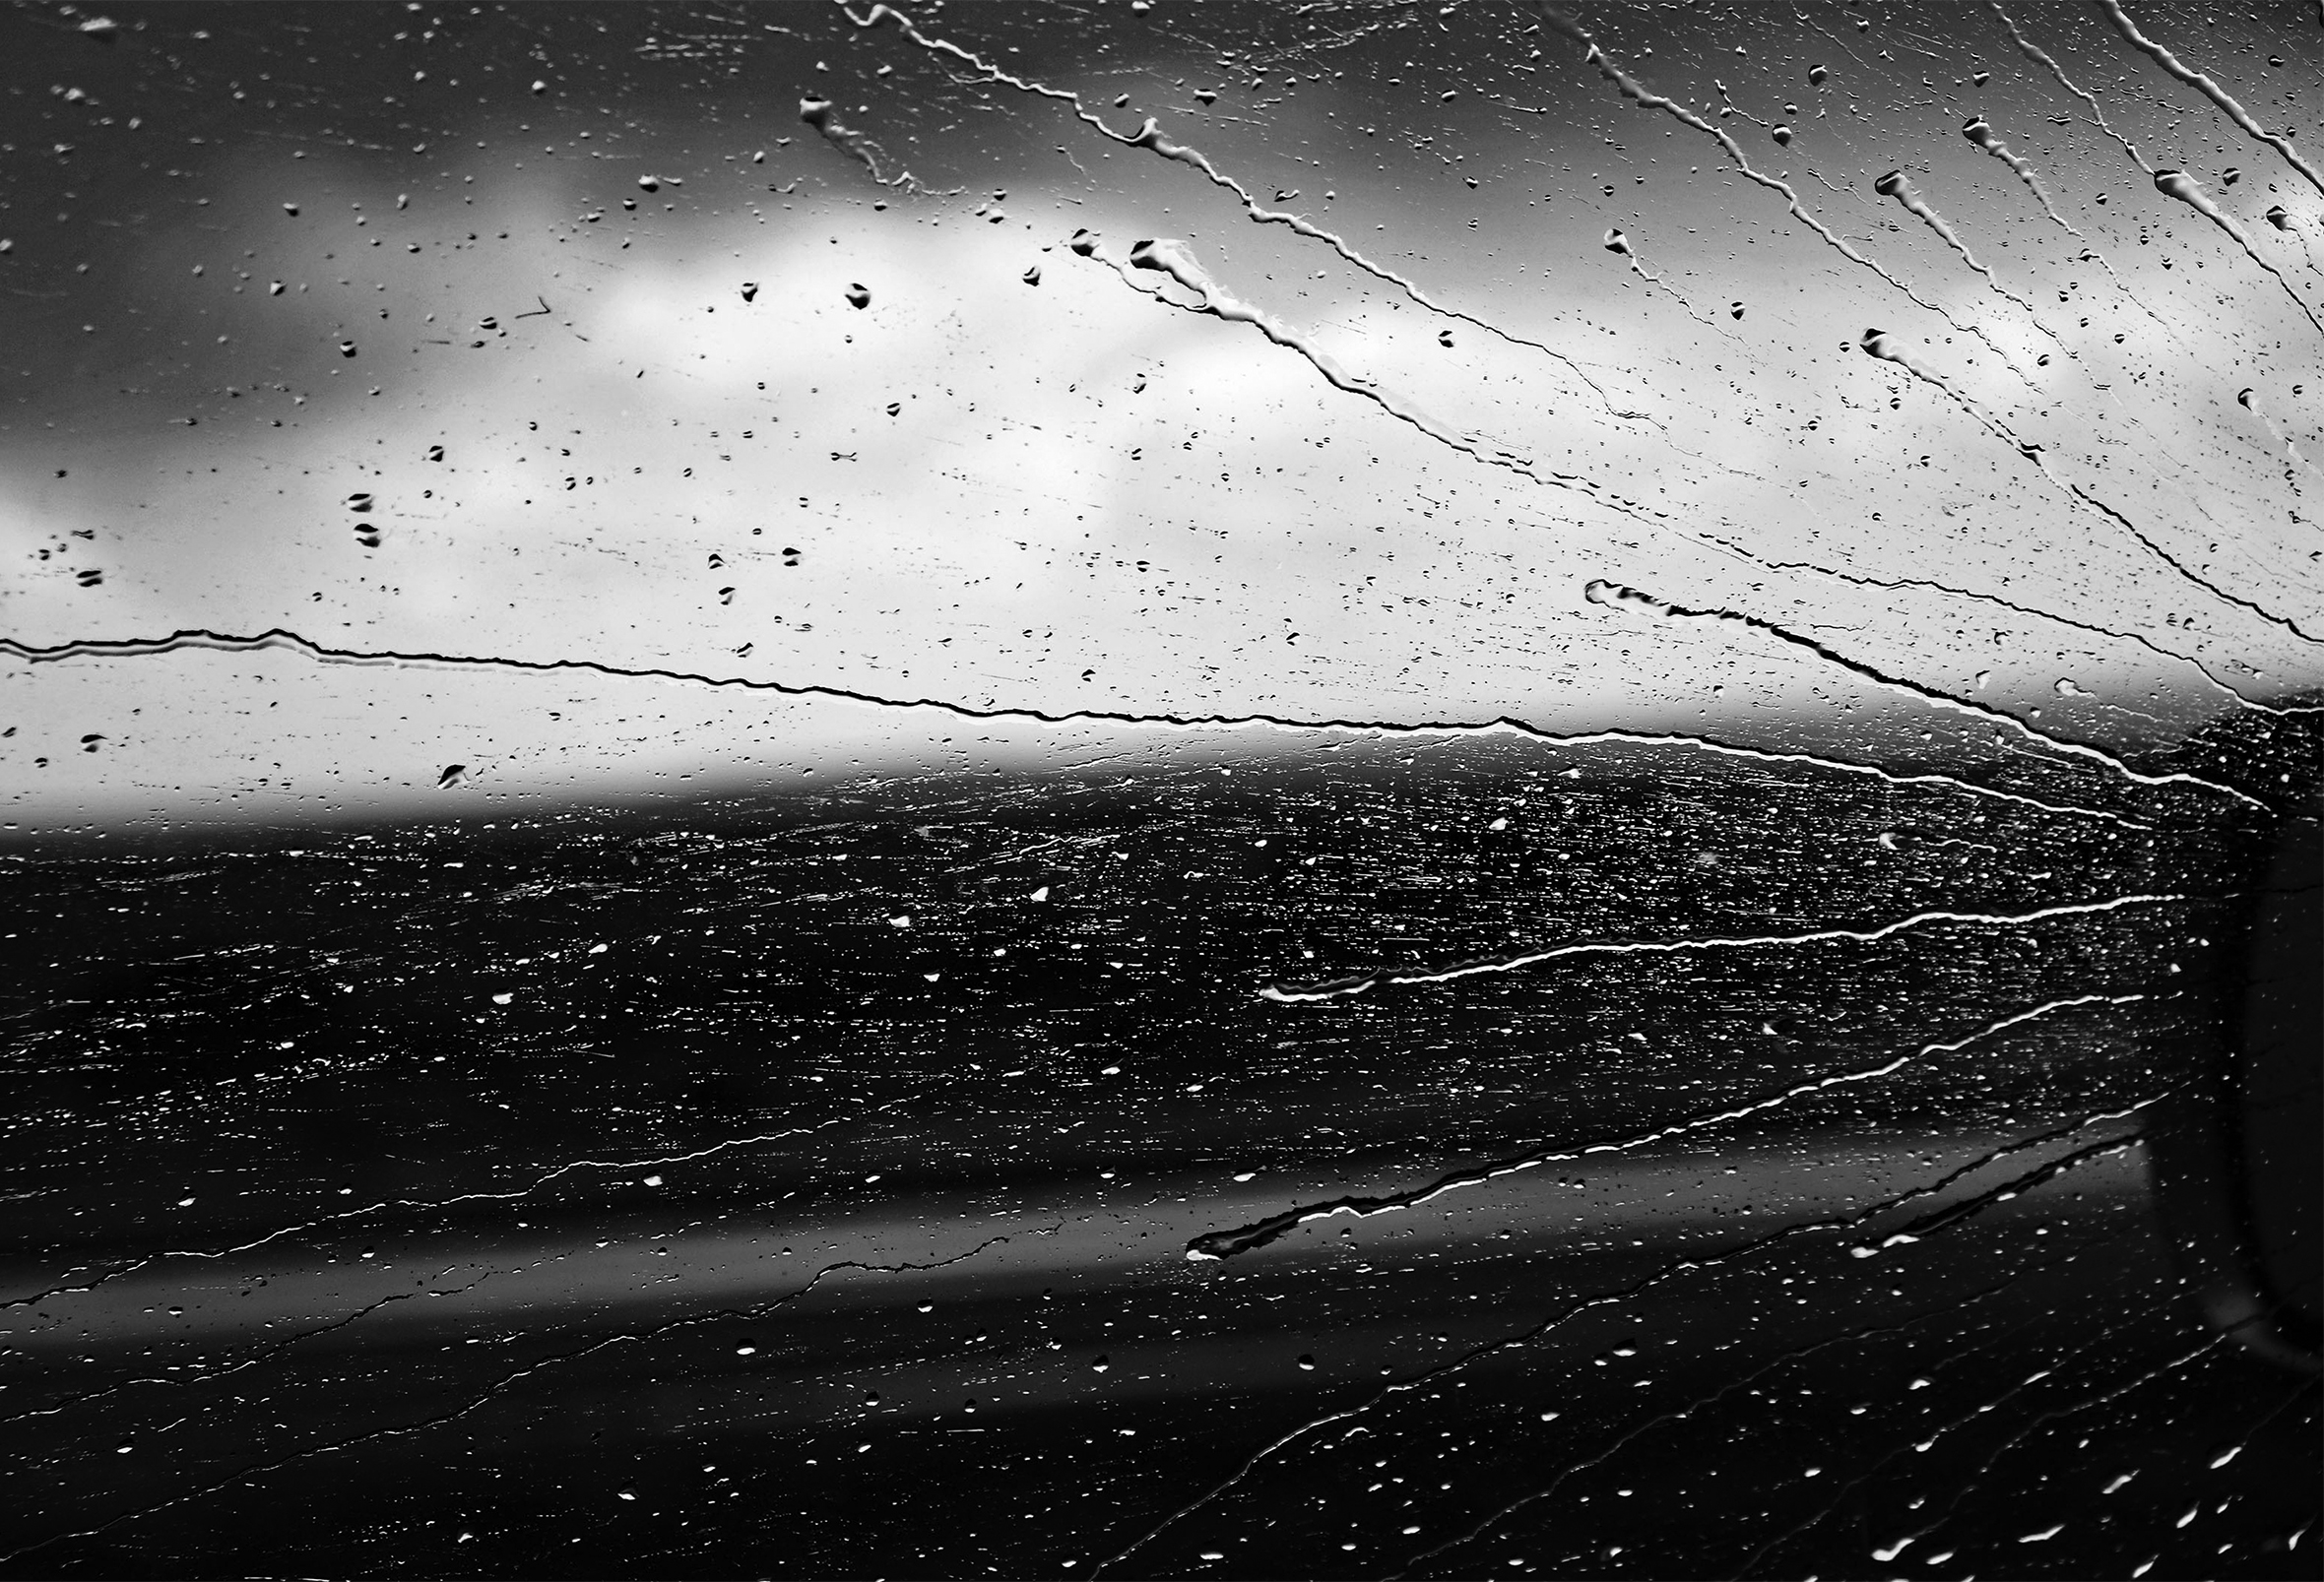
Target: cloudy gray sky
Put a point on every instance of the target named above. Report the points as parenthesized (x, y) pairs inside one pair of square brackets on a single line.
[(564, 299)]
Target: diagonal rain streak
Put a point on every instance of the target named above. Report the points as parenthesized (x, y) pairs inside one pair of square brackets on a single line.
[(1171, 257), (1310, 993), (1880, 343), (1638, 93), (1217, 1244), (1672, 1270), (1980, 131), (2182, 186), (1149, 136), (1896, 184), (2211, 90), (1631, 601)]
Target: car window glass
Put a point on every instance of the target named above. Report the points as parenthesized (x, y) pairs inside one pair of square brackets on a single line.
[(1408, 789)]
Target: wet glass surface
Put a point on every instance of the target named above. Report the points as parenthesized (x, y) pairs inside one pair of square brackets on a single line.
[(1154, 790)]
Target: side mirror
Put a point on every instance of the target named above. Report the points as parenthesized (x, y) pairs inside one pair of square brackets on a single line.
[(2235, 1156), (2278, 1113)]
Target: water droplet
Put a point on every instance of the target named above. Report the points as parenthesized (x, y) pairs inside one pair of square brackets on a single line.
[(347, 349), (1980, 78), (625, 1494), (2229, 176), (1616, 242), (1614, 595), (859, 295), (1100, 1365), (2277, 218), (274, 288), (750, 291), (2243, 395), (451, 776), (90, 578), (1817, 74), (291, 209), (649, 183), (436, 453), (359, 501), (102, 28), (1032, 274), (900, 920), (1307, 1364), (1083, 242), (540, 86), (1782, 135), (503, 999)]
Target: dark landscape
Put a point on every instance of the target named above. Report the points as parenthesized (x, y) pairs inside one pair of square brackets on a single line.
[(823, 1147)]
